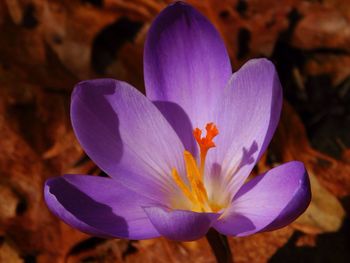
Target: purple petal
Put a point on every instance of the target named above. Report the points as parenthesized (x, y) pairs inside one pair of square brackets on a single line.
[(99, 206), (180, 225), (124, 133), (247, 117), (268, 201), (186, 62)]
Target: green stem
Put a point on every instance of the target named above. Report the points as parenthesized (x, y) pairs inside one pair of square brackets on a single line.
[(220, 246)]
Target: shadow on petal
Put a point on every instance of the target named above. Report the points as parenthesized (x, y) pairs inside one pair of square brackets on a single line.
[(220, 184), (85, 211), (95, 122), (180, 122), (247, 155)]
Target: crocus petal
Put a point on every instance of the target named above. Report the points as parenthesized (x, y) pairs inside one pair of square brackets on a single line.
[(124, 133), (186, 62), (99, 206), (247, 117), (268, 201), (180, 225)]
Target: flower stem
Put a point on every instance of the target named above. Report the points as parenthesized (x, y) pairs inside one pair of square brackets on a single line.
[(220, 246)]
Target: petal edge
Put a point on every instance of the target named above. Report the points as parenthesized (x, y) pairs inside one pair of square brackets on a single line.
[(268, 201), (99, 206)]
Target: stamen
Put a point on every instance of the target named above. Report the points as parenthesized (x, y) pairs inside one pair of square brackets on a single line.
[(182, 185), (196, 191), (195, 179)]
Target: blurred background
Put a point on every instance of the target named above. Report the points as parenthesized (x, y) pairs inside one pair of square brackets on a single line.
[(47, 46)]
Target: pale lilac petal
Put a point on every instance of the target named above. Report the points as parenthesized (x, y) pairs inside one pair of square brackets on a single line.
[(124, 133), (268, 201), (186, 62), (180, 225), (246, 117), (99, 206)]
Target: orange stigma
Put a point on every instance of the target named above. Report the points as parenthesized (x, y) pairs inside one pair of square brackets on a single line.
[(205, 143), (196, 191)]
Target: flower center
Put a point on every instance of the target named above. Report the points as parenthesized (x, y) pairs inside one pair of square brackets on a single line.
[(196, 192)]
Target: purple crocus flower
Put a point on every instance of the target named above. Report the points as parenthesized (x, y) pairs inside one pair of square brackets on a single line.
[(168, 177)]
